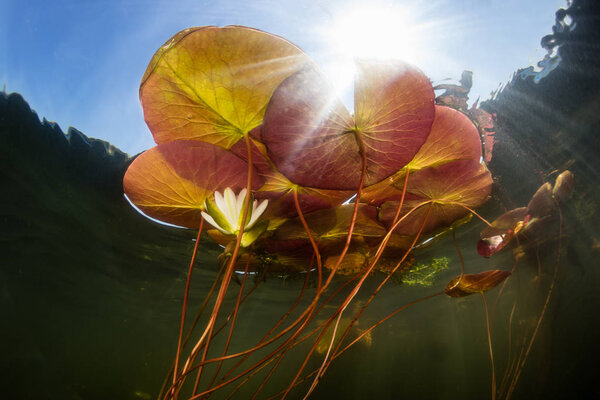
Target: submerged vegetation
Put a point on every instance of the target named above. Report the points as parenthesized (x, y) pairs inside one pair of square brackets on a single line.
[(424, 274), (254, 148)]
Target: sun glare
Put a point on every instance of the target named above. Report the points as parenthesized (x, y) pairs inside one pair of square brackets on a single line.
[(371, 31), (376, 30)]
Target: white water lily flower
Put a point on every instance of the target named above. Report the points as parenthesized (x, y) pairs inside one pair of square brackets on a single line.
[(225, 213)]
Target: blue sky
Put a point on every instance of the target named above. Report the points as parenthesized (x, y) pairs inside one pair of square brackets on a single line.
[(79, 63)]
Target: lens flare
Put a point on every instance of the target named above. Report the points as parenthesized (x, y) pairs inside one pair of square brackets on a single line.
[(376, 31)]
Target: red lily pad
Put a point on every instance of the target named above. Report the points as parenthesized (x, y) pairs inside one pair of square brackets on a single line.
[(394, 112), (503, 223), (313, 140), (453, 137), (475, 283), (260, 160), (171, 181), (502, 230), (309, 134), (213, 84), (531, 222), (279, 189), (447, 187), (333, 224)]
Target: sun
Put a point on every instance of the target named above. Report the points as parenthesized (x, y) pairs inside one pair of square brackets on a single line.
[(377, 31)]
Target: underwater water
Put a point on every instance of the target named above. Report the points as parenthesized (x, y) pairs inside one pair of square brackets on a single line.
[(91, 291)]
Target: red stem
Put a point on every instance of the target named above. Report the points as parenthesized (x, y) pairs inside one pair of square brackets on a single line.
[(185, 299), (326, 364), (311, 239), (233, 318), (363, 155), (489, 336)]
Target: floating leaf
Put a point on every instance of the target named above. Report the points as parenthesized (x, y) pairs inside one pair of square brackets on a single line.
[(453, 137), (313, 140), (333, 224), (309, 134), (504, 228), (279, 190), (394, 112), (532, 222), (171, 181), (475, 283), (213, 84), (260, 160), (506, 221), (447, 187)]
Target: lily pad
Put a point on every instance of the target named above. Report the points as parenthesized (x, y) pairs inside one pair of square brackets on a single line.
[(171, 181), (333, 224), (279, 189), (314, 141), (213, 84), (475, 283), (453, 137), (503, 223), (447, 188)]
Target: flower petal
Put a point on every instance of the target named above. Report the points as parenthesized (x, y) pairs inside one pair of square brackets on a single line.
[(211, 221), (217, 215), (261, 208), (251, 235), (220, 201), (257, 212), (240, 201), (239, 207), (230, 210)]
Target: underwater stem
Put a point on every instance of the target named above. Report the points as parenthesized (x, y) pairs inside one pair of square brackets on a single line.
[(325, 364), (460, 255), (363, 154), (233, 319), (489, 336), (191, 329), (314, 245), (185, 299), (206, 336), (279, 322), (376, 259), (539, 321)]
